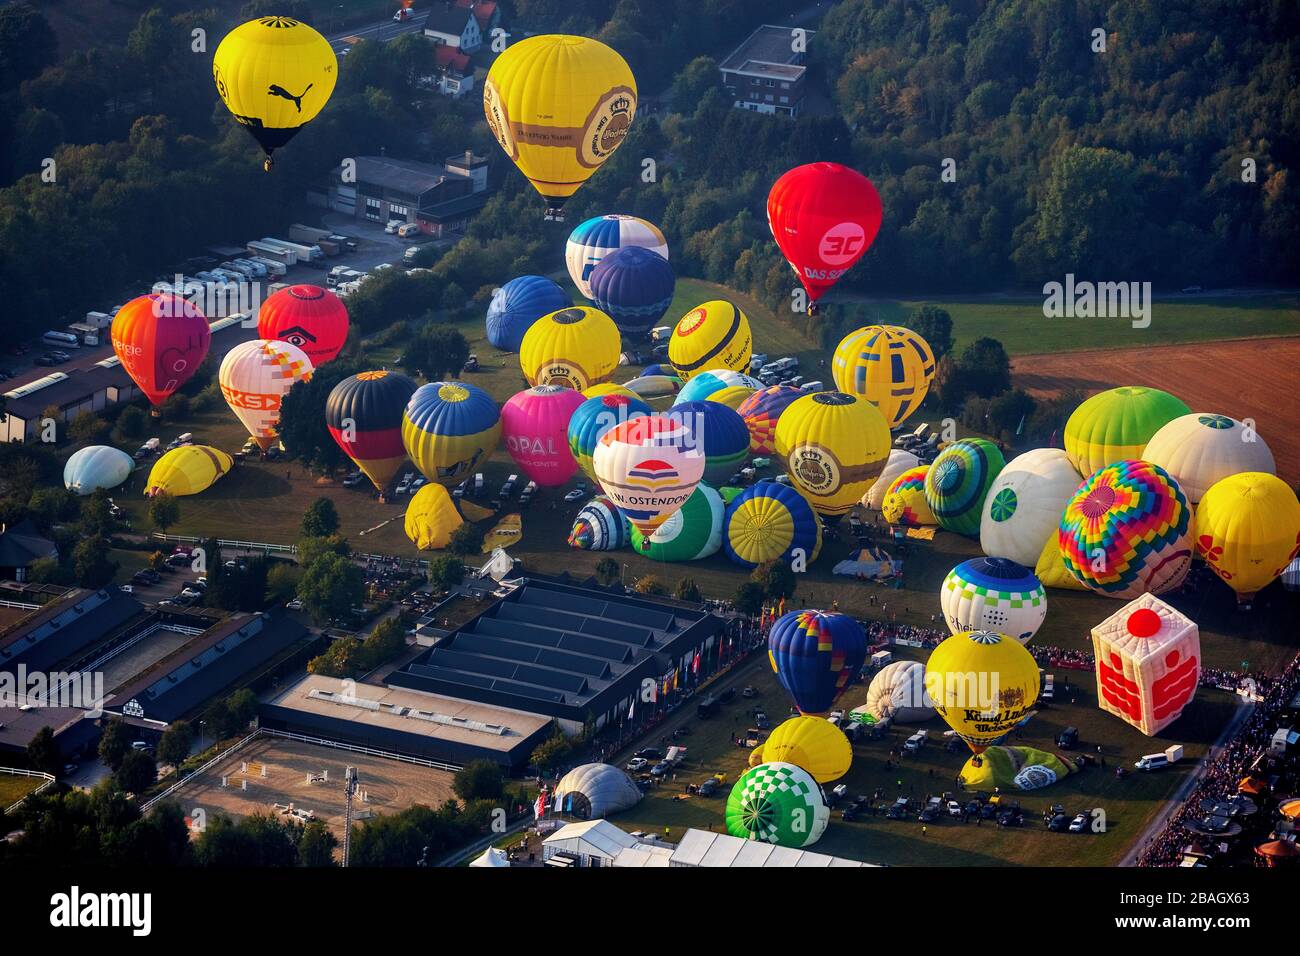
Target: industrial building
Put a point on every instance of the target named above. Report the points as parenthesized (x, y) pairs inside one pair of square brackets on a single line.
[(767, 72)]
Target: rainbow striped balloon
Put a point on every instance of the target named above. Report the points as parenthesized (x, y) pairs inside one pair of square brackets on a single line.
[(1127, 531), (904, 502)]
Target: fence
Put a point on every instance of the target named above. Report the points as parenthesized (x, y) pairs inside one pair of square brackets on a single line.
[(266, 547), (47, 778), (20, 605)]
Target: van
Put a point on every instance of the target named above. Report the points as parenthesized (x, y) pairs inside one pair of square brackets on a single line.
[(916, 741), (408, 230), (186, 439), (706, 708), (1152, 762), (815, 386)]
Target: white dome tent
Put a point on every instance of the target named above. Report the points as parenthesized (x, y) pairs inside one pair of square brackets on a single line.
[(595, 790)]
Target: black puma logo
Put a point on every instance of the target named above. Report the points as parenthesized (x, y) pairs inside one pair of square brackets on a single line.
[(282, 92)]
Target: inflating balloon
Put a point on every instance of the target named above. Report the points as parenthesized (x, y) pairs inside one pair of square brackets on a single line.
[(595, 416), (824, 216), (559, 106), (449, 429), (777, 803), (1023, 507), (1148, 658), (187, 470), (692, 532), (535, 427), (649, 467), (1116, 425), (982, 684), (275, 74), (312, 318), (959, 481), (161, 340), (575, 347), (888, 365), (1248, 530), (762, 410), (364, 414), (904, 503), (600, 526), (596, 238), (607, 388), (1024, 768), (993, 594), (255, 376), (714, 335), (810, 743), (517, 305), (834, 446), (96, 466), (1127, 531), (719, 432), (592, 791), (707, 384), (769, 521), (654, 386), (1198, 450), (815, 655), (431, 518), (898, 692), (634, 285), (896, 464)]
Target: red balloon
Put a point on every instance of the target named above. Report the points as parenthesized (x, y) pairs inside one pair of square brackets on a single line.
[(824, 216), (161, 340), (312, 318)]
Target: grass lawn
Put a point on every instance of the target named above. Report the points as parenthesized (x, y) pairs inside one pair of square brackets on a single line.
[(1022, 329), (1129, 803), (14, 788)]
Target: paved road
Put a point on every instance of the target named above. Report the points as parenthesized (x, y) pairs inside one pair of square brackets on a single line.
[(379, 32)]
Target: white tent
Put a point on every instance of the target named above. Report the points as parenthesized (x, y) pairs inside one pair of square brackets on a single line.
[(593, 843), (595, 790), (492, 857)]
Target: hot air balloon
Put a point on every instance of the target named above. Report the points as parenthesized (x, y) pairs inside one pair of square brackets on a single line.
[(1248, 530), (96, 466), (958, 482), (888, 365), (607, 388), (810, 743), (187, 470), (161, 340), (635, 286), (824, 216), (762, 410), (815, 654), (1199, 449), (275, 74), (707, 384), (692, 532), (993, 594), (364, 414), (431, 518), (559, 106), (598, 237), (897, 691), (777, 803), (449, 429), (904, 503), (594, 791), (654, 386), (575, 347), (255, 376), (517, 305), (534, 424), (1022, 509), (899, 461), (769, 521), (1116, 425), (600, 526), (1148, 663), (1127, 531), (982, 684), (594, 417), (834, 446), (714, 335), (312, 318), (649, 467), (719, 432)]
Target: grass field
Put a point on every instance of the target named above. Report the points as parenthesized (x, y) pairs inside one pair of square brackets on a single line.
[(1129, 802), (14, 788), (1019, 324)]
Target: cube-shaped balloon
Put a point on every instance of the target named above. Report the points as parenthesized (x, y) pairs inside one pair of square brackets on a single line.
[(1148, 663)]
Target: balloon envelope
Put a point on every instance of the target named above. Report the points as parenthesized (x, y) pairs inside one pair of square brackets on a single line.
[(449, 429), (312, 318), (982, 684), (649, 467), (600, 526), (815, 654), (1199, 449), (714, 335), (777, 803), (161, 340), (993, 594), (834, 446), (1023, 507), (255, 376), (762, 410), (897, 691), (596, 238), (517, 305), (898, 462), (719, 432), (431, 518), (364, 415), (575, 347), (634, 285), (1248, 530), (692, 532), (904, 503), (595, 416), (888, 365), (535, 426), (707, 384), (810, 743), (769, 521), (187, 470), (594, 791), (959, 481), (1115, 425), (96, 466)]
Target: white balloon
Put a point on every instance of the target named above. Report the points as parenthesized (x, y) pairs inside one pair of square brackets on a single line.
[(1024, 505), (993, 594), (898, 691), (96, 466), (1200, 449), (898, 462)]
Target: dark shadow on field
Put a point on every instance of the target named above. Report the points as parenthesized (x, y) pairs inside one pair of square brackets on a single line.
[(247, 481)]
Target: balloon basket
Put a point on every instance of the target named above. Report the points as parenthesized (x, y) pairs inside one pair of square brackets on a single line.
[(554, 214)]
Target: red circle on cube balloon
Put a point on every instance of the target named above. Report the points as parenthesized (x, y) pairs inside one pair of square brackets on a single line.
[(1143, 622)]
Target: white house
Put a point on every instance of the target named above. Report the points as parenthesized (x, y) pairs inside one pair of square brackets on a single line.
[(454, 26)]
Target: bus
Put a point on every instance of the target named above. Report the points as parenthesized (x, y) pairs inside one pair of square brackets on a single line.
[(62, 339)]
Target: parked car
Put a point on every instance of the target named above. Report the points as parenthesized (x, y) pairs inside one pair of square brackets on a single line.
[(1080, 823), (294, 605), (393, 225), (404, 485), (637, 764), (649, 753), (898, 809), (575, 494), (708, 788), (1058, 823), (127, 589), (354, 479)]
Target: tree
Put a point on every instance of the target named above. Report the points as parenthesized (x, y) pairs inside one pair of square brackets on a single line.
[(984, 368), (91, 565), (131, 422), (466, 540), (479, 780), (446, 571), (27, 44), (136, 773), (88, 427), (933, 324), (436, 352), (97, 519), (688, 590), (176, 742), (330, 587), (776, 578), (608, 571), (43, 752), (692, 82), (321, 519), (316, 845), (302, 427), (749, 598), (281, 582), (650, 584), (309, 549), (553, 751), (164, 511)]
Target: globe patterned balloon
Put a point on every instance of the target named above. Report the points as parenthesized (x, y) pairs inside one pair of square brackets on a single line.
[(958, 481), (993, 594), (761, 411), (777, 803), (1127, 531)]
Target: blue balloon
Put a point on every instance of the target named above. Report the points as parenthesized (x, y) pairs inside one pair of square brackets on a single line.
[(659, 369), (95, 467), (517, 305), (720, 432), (634, 285), (815, 654)]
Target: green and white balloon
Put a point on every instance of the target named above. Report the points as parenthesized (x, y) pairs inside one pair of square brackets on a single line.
[(777, 803), (691, 532)]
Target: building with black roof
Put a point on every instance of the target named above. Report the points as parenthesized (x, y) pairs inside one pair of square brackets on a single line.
[(64, 630), (576, 653), (20, 547)]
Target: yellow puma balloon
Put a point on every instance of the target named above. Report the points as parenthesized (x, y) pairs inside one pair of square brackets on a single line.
[(559, 106), (274, 74)]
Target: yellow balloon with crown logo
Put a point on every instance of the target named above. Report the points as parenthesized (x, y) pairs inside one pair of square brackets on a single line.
[(559, 106)]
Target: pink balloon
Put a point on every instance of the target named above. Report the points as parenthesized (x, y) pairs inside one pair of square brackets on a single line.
[(535, 425)]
